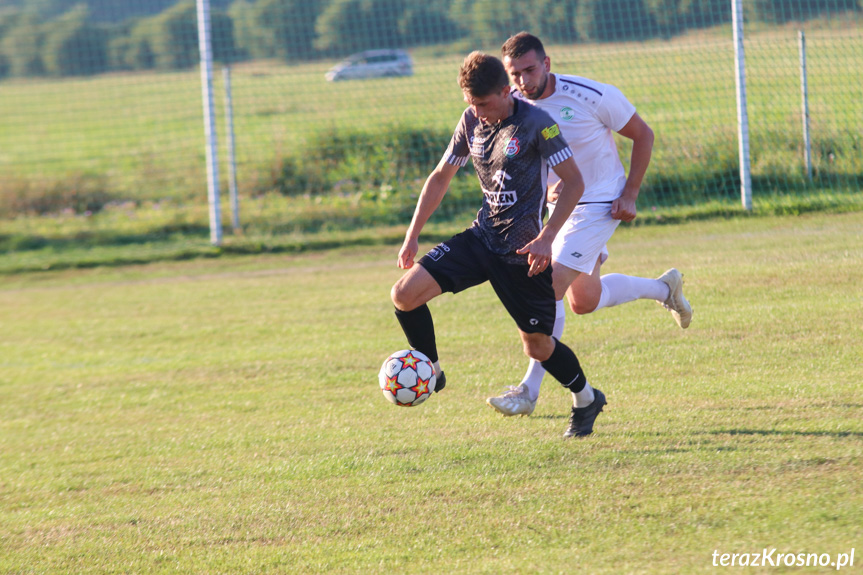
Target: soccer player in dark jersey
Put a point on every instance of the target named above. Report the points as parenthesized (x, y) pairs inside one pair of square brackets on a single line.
[(512, 145)]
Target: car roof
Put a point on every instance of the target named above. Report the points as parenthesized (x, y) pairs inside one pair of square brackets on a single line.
[(368, 53)]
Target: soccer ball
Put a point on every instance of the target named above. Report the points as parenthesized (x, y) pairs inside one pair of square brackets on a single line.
[(407, 378)]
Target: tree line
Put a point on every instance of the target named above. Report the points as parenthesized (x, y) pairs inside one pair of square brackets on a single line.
[(99, 10), (64, 38)]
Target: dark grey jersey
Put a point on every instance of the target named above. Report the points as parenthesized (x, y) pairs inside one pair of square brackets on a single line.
[(512, 159)]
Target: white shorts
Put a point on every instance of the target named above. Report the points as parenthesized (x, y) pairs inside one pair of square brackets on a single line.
[(584, 236)]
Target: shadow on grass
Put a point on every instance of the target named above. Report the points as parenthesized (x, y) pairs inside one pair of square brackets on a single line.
[(786, 433)]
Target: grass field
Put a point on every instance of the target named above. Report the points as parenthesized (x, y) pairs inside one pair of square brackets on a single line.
[(222, 416)]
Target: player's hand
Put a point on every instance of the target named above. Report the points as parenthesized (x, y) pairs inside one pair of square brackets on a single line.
[(538, 256), (407, 253), (623, 209)]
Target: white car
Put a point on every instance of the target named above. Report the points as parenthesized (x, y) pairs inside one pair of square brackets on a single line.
[(373, 64)]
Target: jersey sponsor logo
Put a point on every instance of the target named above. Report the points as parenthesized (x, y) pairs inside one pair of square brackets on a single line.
[(438, 252), (551, 132), (477, 146), (566, 113), (500, 199), (500, 178), (512, 147)]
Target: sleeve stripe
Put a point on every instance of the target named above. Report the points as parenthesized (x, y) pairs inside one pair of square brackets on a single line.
[(454, 160), (560, 156), (580, 84)]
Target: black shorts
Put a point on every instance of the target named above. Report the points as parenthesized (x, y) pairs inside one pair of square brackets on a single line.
[(463, 261)]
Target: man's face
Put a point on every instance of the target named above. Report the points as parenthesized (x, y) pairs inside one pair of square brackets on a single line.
[(529, 73), (490, 109)]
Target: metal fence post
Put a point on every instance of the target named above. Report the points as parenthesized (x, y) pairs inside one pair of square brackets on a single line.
[(804, 89), (742, 114), (206, 50), (232, 156)]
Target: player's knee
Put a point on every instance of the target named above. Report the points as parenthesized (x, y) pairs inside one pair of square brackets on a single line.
[(531, 351), (538, 346), (582, 307), (401, 297)]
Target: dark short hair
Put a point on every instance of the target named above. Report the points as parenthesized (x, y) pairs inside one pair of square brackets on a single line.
[(482, 74), (520, 44)]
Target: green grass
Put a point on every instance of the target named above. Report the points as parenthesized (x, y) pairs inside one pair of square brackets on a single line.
[(222, 416), (124, 234)]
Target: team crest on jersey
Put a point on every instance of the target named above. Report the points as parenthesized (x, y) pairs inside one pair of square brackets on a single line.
[(551, 132), (512, 147), (566, 113)]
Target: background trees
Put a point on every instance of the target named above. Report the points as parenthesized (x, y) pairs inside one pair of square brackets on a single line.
[(80, 37)]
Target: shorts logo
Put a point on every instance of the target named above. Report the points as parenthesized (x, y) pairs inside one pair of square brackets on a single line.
[(534, 321), (438, 252), (566, 113), (576, 254), (512, 148), (551, 132)]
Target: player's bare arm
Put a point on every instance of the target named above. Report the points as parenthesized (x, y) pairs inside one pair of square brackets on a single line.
[(570, 191), (434, 189), (637, 130), (554, 191)]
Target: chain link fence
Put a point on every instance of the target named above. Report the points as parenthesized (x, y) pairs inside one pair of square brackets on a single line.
[(102, 136)]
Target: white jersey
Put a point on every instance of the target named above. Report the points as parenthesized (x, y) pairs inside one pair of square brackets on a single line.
[(588, 114)]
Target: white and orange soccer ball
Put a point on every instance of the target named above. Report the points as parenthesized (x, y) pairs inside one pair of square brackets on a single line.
[(407, 378)]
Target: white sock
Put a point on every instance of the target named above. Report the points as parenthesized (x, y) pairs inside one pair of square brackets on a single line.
[(436, 366), (618, 289), (535, 372), (584, 397)]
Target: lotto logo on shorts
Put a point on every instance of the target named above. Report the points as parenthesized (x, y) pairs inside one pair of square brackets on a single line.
[(438, 251)]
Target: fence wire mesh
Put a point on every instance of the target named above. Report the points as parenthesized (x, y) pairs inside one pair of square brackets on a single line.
[(101, 123)]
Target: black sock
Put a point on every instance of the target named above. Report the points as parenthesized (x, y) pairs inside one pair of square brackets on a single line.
[(419, 329), (564, 367)]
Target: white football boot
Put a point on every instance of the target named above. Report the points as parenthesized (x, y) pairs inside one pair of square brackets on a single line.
[(514, 401), (680, 309)]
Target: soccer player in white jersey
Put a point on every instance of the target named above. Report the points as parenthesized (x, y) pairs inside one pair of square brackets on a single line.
[(588, 113)]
